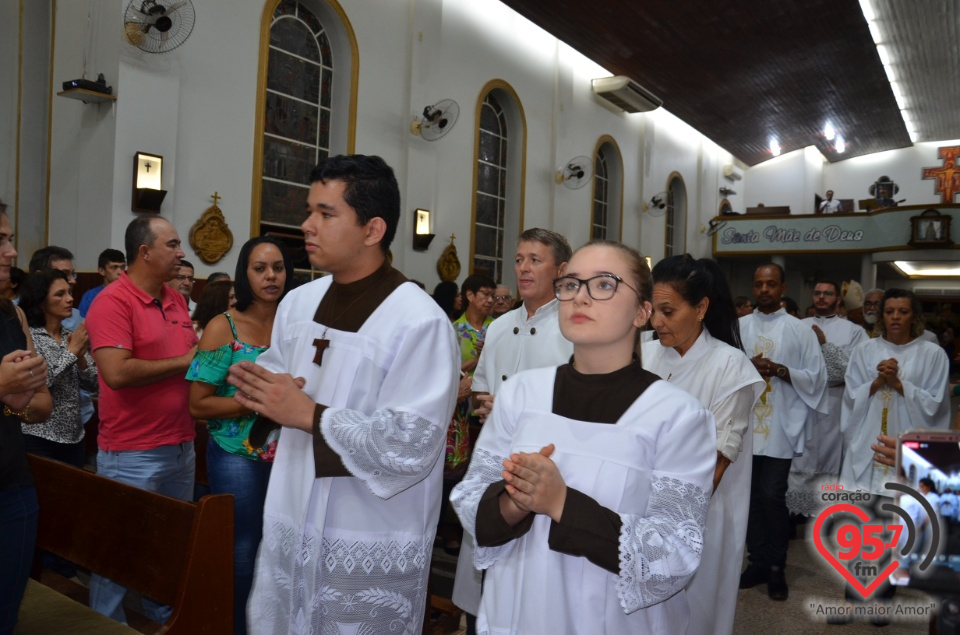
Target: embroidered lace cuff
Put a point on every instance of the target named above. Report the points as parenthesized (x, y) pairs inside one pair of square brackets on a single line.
[(660, 551), (390, 450)]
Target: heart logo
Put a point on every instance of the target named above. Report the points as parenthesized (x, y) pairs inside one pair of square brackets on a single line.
[(864, 591)]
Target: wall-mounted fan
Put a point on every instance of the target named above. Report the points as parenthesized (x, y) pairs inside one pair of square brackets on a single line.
[(657, 205), (158, 26), (575, 173), (726, 191), (437, 120)]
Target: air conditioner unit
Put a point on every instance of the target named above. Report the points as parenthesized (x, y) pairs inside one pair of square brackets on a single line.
[(626, 94), (732, 172)]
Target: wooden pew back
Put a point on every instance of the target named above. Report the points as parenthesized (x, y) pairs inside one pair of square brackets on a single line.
[(172, 551)]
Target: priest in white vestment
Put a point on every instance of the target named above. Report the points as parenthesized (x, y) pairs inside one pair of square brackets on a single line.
[(894, 383), (691, 297), (820, 462), (787, 356), (354, 496)]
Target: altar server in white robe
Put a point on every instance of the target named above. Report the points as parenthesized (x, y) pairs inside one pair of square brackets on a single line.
[(820, 462), (354, 497), (894, 383), (699, 350), (589, 486), (524, 338), (787, 356)]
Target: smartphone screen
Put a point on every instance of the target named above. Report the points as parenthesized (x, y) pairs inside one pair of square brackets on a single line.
[(929, 462)]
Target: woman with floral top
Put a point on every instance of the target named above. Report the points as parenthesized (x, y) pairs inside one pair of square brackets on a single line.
[(47, 302), (235, 464), (471, 328)]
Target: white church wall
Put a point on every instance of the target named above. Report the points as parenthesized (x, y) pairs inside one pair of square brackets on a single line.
[(9, 75), (779, 181), (853, 177), (196, 107), (83, 136)]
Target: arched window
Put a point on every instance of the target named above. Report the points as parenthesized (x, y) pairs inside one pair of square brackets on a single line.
[(601, 183), (498, 199), (607, 191), (674, 243), (491, 189), (305, 112)]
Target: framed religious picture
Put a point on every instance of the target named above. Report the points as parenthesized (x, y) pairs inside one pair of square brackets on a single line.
[(930, 229)]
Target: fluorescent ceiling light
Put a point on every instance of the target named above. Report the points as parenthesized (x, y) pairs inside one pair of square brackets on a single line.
[(867, 9), (884, 56), (829, 132), (774, 147), (927, 268), (841, 146)]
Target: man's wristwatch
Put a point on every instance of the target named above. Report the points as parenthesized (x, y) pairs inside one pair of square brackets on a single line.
[(782, 372)]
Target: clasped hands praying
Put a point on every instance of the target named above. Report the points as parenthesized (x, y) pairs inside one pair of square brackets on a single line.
[(888, 372), (534, 484)]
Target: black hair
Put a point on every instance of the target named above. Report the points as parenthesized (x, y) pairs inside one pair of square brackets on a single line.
[(916, 327), (445, 295), (17, 276), (372, 190), (109, 255), (836, 287), (241, 283), (33, 297), (783, 274), (214, 300), (139, 232), (926, 480), (44, 257), (791, 306), (187, 263), (217, 275), (695, 280), (474, 283)]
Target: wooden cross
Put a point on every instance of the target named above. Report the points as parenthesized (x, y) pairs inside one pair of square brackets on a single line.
[(216, 197), (322, 345)]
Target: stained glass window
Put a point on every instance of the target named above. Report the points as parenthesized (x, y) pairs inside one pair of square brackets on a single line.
[(296, 132), (491, 190), (601, 187)]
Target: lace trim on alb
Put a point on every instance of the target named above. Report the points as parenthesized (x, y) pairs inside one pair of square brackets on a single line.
[(661, 550), (485, 468), (306, 585), (390, 450)]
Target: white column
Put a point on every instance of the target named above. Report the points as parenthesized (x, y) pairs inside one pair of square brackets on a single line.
[(868, 272)]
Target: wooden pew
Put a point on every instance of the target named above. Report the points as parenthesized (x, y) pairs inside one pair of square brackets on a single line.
[(172, 551)]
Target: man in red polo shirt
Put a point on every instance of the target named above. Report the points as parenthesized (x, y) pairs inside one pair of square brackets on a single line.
[(143, 341)]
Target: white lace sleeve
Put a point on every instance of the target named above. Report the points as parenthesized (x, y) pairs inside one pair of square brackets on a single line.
[(660, 550), (836, 362), (485, 468), (390, 450)]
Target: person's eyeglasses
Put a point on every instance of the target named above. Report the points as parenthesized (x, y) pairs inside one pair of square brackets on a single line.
[(186, 278), (601, 287), (498, 298), (824, 293)]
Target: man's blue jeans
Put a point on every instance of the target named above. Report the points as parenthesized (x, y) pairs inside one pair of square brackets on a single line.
[(167, 470)]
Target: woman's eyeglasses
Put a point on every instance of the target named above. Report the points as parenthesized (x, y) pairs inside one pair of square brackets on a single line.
[(601, 287)]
